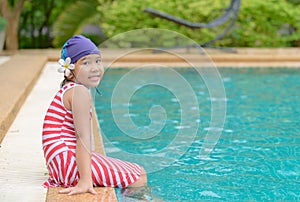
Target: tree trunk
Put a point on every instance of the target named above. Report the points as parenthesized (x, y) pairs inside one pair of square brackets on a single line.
[(12, 40), (12, 16)]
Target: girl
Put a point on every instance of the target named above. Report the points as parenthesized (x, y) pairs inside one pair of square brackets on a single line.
[(67, 128)]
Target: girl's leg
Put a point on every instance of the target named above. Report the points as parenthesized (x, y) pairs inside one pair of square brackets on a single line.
[(112, 172)]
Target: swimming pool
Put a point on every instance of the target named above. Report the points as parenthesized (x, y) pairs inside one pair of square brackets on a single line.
[(257, 156)]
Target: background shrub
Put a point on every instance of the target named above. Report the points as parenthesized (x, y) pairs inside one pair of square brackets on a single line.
[(271, 23)]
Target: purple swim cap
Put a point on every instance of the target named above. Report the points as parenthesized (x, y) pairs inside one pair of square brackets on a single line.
[(78, 46)]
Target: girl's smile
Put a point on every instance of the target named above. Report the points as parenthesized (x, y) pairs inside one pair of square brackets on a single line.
[(89, 70), (94, 77)]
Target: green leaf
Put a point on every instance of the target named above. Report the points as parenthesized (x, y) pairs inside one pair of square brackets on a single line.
[(71, 21)]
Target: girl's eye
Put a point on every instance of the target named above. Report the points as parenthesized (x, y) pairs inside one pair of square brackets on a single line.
[(85, 63), (98, 61)]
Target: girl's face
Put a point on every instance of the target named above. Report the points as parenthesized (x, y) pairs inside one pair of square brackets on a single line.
[(89, 70)]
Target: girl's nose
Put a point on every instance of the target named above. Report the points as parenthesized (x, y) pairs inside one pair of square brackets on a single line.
[(95, 67)]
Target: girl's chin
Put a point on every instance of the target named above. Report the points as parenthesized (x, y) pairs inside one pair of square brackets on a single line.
[(91, 83), (94, 84)]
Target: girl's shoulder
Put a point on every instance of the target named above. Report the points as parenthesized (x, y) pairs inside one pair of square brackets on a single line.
[(69, 85), (75, 87), (72, 91)]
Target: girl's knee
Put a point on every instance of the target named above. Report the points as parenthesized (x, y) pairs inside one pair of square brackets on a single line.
[(142, 181), (143, 172)]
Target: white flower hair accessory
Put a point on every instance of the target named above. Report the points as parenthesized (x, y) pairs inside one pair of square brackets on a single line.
[(65, 66)]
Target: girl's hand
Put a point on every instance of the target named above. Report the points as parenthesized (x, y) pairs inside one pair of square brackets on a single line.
[(78, 189)]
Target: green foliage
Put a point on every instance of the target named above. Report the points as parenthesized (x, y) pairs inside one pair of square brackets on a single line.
[(266, 24), (272, 23), (127, 15), (72, 20), (36, 22), (296, 2), (2, 23)]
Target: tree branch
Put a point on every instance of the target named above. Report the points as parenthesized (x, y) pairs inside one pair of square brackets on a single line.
[(18, 7)]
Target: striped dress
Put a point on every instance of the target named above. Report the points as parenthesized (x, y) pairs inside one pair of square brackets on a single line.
[(59, 145)]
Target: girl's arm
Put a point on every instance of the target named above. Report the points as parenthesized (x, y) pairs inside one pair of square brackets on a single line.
[(80, 104)]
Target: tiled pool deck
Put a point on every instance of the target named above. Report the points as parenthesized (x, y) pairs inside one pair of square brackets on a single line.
[(28, 81)]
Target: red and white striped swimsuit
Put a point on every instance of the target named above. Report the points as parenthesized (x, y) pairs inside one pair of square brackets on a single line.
[(59, 145)]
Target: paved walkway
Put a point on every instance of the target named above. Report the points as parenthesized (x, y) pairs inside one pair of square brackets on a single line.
[(4, 59), (22, 166)]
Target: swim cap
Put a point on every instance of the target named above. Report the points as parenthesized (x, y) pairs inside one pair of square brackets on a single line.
[(78, 46)]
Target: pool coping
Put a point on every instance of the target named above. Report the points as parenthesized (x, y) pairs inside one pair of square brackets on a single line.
[(242, 57), (19, 74)]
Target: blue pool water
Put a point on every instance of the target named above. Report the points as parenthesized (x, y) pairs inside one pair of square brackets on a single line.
[(257, 157)]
